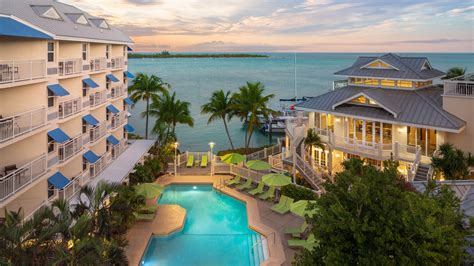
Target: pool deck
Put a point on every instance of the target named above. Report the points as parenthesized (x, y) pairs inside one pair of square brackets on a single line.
[(260, 218)]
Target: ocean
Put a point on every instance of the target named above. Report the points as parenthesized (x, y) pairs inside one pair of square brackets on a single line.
[(194, 80)]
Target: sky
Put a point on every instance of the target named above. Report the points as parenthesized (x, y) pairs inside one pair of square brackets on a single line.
[(291, 25)]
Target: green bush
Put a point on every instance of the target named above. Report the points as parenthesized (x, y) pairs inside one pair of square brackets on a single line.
[(298, 193)]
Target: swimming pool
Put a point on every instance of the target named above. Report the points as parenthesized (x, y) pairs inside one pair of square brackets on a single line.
[(215, 232)]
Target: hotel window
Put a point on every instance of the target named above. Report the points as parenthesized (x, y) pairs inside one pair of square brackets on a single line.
[(388, 83), (317, 120), (405, 84), (387, 133), (107, 51), (84, 127), (84, 51), (50, 99), (359, 100), (371, 82), (84, 91), (51, 146), (50, 51), (124, 50)]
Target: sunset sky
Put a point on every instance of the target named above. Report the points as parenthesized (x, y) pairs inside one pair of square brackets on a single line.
[(291, 25)]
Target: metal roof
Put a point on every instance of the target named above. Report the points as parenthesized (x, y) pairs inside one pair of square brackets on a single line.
[(65, 28), (410, 68), (413, 107)]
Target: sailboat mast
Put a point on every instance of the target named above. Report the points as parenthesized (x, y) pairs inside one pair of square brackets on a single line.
[(296, 91)]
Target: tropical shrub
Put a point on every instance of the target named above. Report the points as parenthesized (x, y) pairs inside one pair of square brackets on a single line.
[(451, 162), (298, 192), (242, 151)]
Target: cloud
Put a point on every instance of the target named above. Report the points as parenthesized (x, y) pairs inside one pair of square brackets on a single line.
[(221, 46), (143, 2)]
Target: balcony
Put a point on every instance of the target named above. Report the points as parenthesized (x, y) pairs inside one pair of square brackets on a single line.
[(21, 70), (117, 92), (20, 177), (97, 132), (97, 98), (118, 120), (118, 149), (117, 62), (69, 66), (463, 88), (16, 125), (69, 108), (73, 188), (97, 64), (99, 166), (70, 148)]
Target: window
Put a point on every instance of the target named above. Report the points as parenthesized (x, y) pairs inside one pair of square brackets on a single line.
[(52, 14), (51, 146), (84, 51), (360, 100), (50, 99), (84, 91), (379, 64), (124, 50), (371, 82), (84, 127), (387, 83), (107, 51), (405, 84), (50, 51), (82, 20), (107, 85)]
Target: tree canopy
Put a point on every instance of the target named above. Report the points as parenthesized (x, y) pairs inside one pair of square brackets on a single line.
[(451, 162)]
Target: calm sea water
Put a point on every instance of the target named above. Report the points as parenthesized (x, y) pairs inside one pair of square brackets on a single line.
[(195, 79)]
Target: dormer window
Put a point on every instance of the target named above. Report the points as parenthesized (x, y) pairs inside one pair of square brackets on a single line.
[(82, 20), (78, 18), (426, 65), (52, 13), (46, 12), (100, 22), (379, 64)]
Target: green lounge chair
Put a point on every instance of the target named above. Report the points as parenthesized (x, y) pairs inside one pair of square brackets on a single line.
[(204, 161), (269, 194), (246, 185), (234, 180), (308, 244), (283, 206), (258, 189), (190, 161), (148, 209), (296, 231), (145, 217)]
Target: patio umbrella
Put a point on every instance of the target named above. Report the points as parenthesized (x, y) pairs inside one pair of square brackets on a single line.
[(232, 158), (149, 190), (299, 208), (276, 180), (258, 165)]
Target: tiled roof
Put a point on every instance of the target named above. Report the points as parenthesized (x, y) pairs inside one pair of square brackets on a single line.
[(414, 107), (31, 11), (410, 68)]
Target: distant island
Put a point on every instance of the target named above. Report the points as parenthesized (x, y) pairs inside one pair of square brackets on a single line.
[(166, 54)]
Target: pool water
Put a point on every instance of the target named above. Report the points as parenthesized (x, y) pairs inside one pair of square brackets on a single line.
[(215, 232)]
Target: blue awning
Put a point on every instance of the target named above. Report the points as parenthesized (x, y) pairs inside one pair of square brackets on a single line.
[(128, 75), (90, 120), (58, 180), (128, 101), (113, 109), (112, 78), (91, 157), (129, 48), (112, 140), (128, 128), (58, 90), (11, 27), (89, 82), (58, 135)]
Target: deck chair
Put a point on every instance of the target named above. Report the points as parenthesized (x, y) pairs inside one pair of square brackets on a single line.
[(204, 161), (246, 185), (269, 194), (283, 206), (309, 243), (234, 181), (258, 189), (296, 231), (190, 161)]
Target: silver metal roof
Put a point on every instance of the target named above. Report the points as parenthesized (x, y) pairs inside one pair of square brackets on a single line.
[(31, 11), (410, 68), (421, 107)]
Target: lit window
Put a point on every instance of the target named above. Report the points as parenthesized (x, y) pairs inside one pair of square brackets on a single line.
[(387, 83), (405, 84)]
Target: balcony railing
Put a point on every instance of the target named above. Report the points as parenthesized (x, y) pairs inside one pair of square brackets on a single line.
[(13, 126), (459, 88), (97, 132), (118, 119), (69, 107), (98, 64), (117, 62), (21, 70), (70, 148), (97, 98), (69, 66), (22, 176), (73, 188), (117, 92), (99, 166), (118, 149)]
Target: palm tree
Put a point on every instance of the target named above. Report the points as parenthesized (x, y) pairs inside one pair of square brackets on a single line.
[(218, 107), (147, 88), (313, 139), (250, 103), (452, 162), (170, 111), (455, 72)]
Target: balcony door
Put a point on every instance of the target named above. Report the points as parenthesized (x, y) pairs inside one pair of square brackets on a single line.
[(425, 138), (368, 133)]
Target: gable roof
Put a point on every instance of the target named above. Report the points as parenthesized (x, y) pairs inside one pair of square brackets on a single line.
[(422, 107), (67, 28), (410, 68), (378, 99)]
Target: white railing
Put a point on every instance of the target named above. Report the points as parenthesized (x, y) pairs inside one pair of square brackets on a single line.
[(22, 176), (117, 91), (97, 132), (70, 148), (459, 88), (118, 119), (97, 98), (245, 172), (99, 166), (308, 172), (296, 127), (265, 152), (21, 70), (118, 149), (13, 126), (71, 189), (414, 168), (361, 147), (69, 107), (97, 64), (117, 62), (69, 66), (276, 161)]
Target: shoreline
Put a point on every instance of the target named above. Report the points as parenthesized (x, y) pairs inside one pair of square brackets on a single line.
[(160, 55)]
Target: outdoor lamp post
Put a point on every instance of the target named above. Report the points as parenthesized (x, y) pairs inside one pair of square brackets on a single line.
[(211, 145), (176, 144)]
